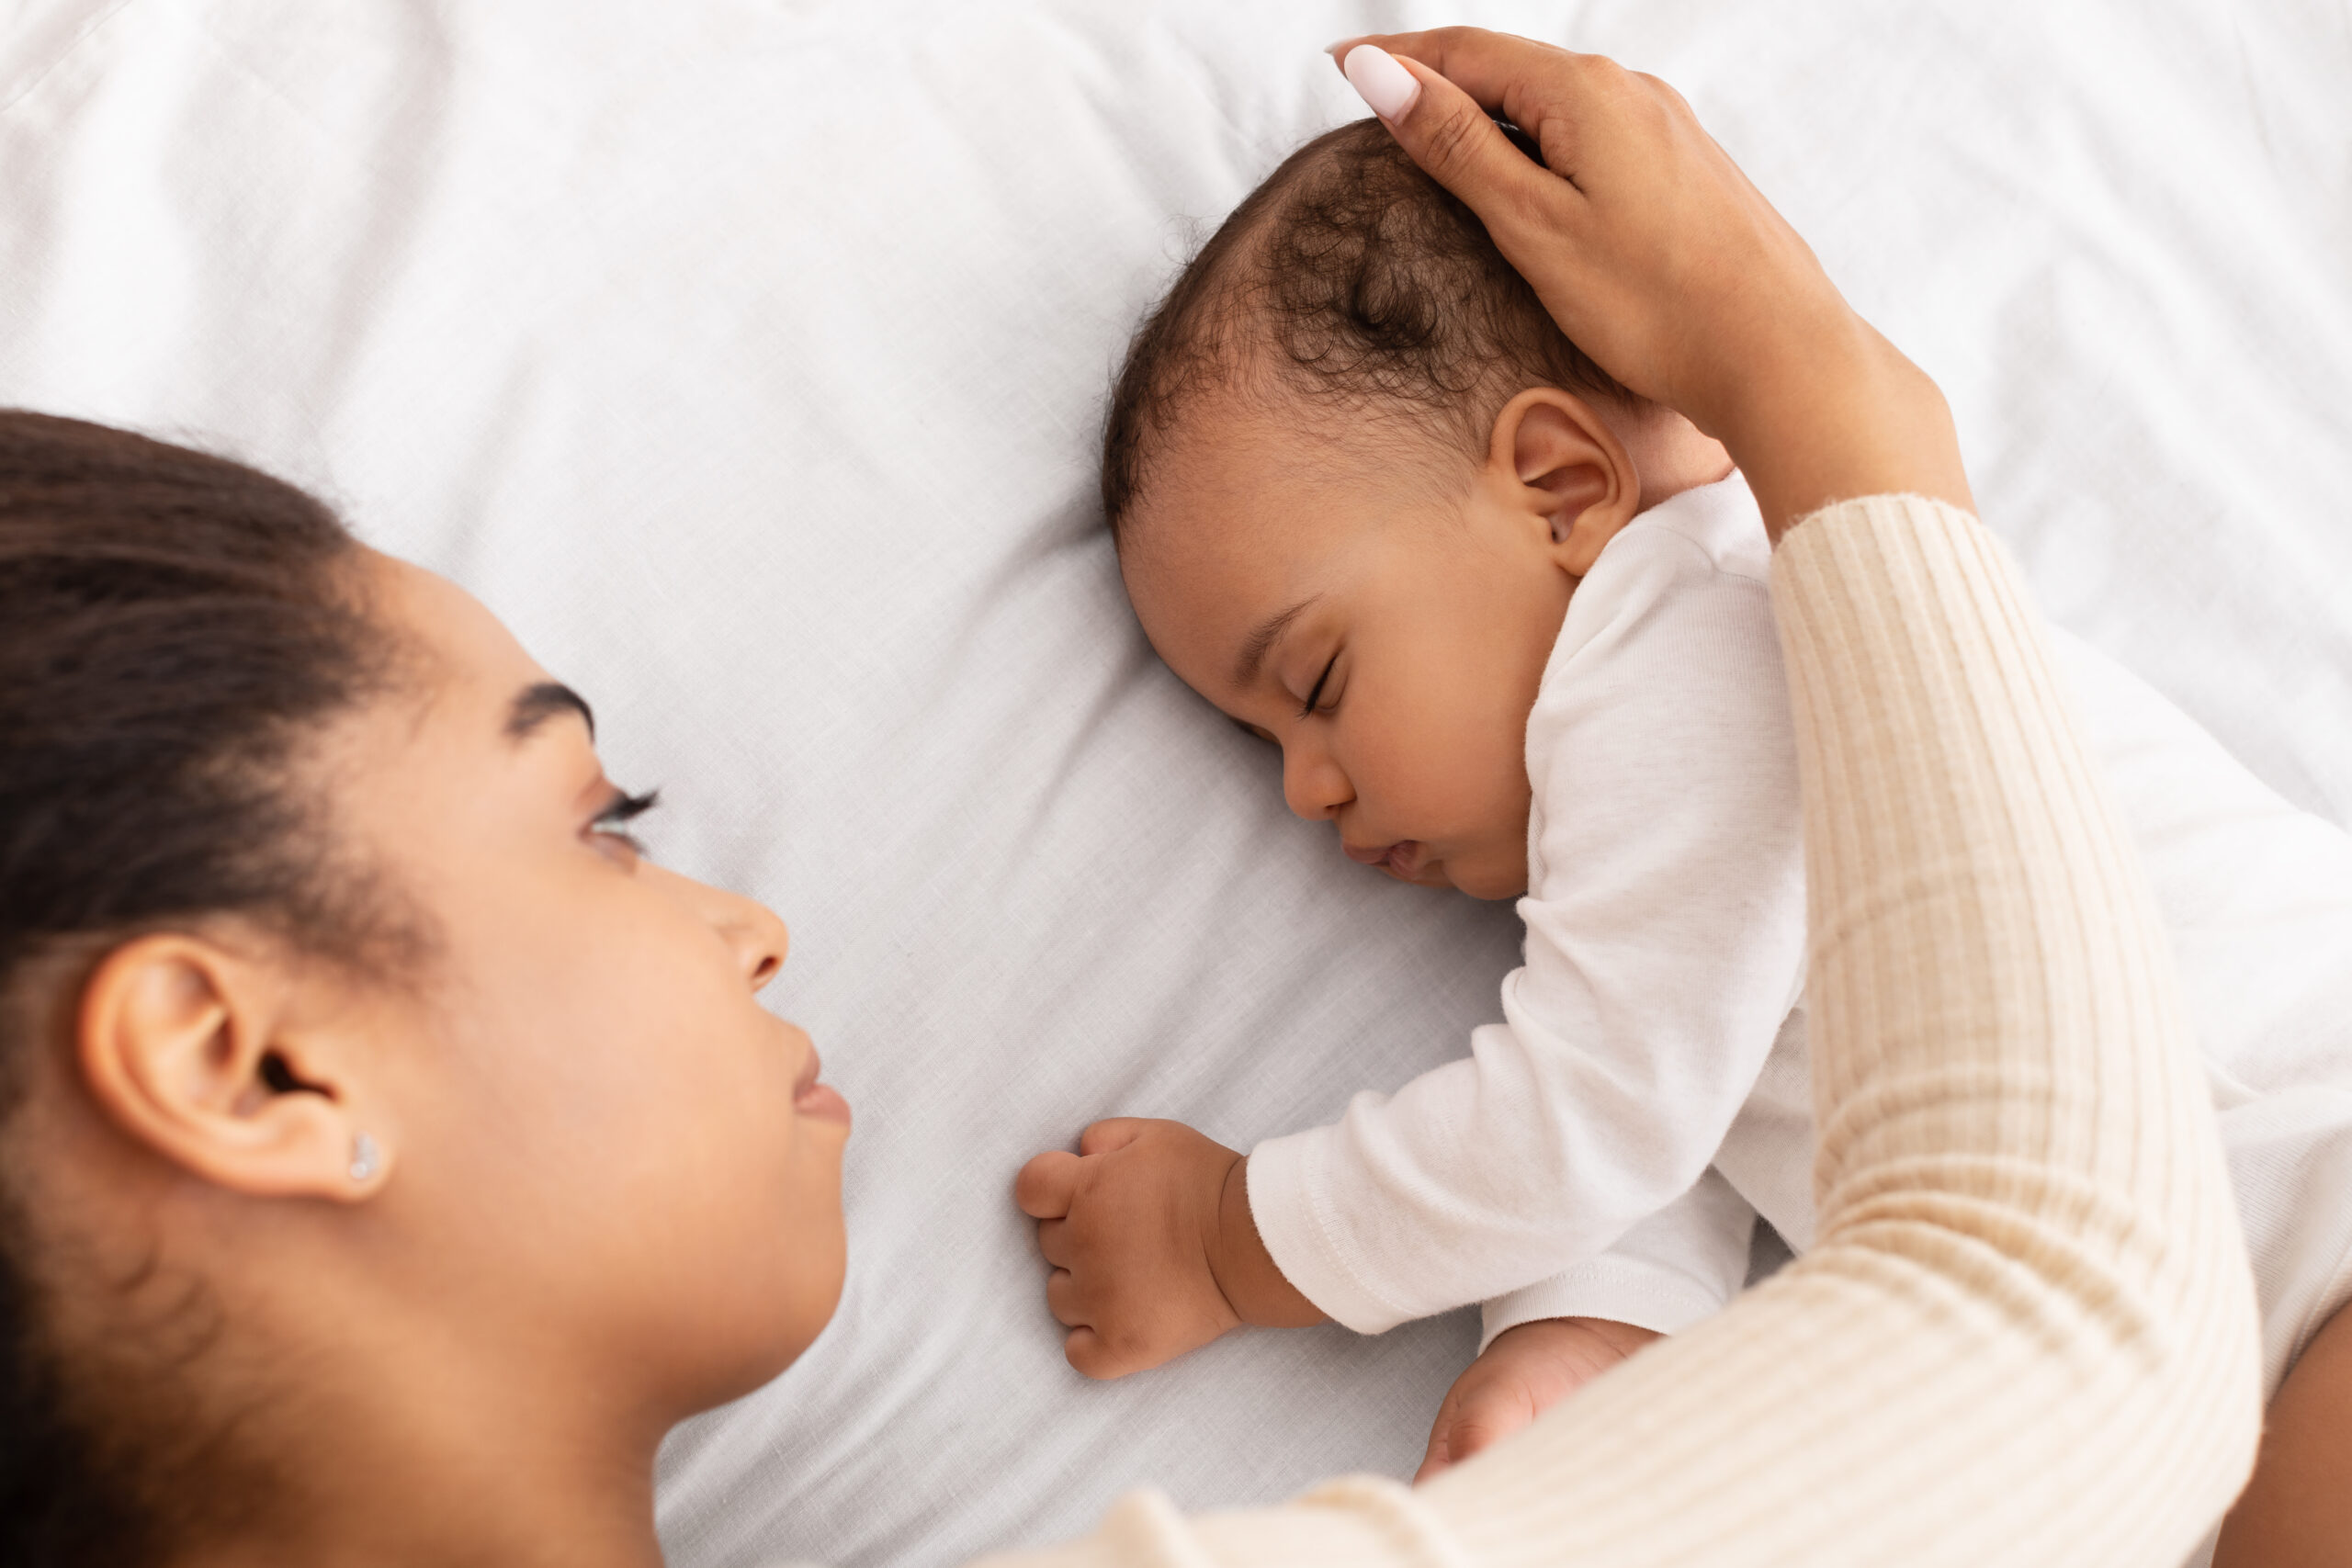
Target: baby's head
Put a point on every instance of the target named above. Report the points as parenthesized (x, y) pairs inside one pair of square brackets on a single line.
[(1355, 472)]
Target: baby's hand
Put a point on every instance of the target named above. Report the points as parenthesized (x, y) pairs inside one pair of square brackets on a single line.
[(1525, 1372), (1147, 1227)]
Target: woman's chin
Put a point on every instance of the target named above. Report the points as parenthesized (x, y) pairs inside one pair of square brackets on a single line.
[(791, 1320)]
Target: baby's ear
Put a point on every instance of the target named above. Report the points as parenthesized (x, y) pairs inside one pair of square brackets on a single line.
[(1565, 469)]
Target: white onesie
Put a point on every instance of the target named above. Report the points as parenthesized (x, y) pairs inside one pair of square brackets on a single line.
[(1605, 1150)]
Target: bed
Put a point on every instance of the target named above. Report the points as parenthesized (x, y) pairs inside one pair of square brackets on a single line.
[(747, 357)]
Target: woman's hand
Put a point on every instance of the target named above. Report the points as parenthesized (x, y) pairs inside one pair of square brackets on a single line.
[(1660, 259), (1525, 1372)]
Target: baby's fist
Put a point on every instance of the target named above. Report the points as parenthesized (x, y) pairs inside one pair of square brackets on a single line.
[(1130, 1224)]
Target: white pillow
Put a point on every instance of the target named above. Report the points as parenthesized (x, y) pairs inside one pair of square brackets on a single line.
[(748, 358)]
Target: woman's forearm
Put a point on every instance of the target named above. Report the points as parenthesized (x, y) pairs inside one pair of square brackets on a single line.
[(1848, 415)]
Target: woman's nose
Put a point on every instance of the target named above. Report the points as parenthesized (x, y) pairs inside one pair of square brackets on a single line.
[(759, 937), (1313, 782), (755, 933)]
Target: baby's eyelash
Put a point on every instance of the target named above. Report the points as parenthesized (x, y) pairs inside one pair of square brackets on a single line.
[(1315, 692)]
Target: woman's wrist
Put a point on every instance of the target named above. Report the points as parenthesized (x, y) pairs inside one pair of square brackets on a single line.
[(1840, 414)]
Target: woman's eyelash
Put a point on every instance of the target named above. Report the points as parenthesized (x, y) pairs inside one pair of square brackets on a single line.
[(625, 808), (1315, 692)]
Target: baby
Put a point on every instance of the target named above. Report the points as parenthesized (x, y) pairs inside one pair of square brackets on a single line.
[(1510, 627)]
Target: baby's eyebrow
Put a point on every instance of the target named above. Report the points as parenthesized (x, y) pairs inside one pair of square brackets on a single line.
[(1268, 631)]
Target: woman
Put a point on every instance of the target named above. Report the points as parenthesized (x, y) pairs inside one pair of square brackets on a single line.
[(393, 1154)]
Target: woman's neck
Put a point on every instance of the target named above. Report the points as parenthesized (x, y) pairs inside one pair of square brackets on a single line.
[(396, 1439), (509, 1500)]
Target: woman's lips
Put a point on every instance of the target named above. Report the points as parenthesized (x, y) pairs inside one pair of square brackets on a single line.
[(821, 1101)]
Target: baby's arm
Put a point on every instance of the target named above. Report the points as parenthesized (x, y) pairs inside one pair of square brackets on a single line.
[(1147, 1227), (1683, 1264)]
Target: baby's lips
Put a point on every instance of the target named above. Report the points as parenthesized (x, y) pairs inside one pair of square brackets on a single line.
[(1402, 858)]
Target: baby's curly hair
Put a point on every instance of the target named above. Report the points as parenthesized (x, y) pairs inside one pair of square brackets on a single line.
[(1352, 278)]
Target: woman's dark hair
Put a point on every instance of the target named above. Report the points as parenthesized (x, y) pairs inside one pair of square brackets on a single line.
[(1352, 279), (173, 628)]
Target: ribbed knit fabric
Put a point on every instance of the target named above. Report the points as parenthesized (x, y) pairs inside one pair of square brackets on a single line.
[(2026, 1335)]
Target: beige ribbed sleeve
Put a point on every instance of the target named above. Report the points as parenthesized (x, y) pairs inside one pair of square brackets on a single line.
[(2026, 1335)]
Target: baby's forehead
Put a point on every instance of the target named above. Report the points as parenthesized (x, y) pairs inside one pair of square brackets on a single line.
[(1252, 487), (1261, 442), (1282, 426)]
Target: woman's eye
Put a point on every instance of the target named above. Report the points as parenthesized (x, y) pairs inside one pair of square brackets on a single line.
[(611, 823)]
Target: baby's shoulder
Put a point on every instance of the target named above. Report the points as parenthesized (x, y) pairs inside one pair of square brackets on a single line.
[(1700, 556), (1713, 531), (1671, 631)]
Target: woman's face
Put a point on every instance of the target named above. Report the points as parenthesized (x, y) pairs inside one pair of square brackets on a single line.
[(595, 1137)]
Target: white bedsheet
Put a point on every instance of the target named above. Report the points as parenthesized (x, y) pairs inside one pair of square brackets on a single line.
[(748, 357)]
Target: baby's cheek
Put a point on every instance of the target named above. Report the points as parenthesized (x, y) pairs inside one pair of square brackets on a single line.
[(1498, 873)]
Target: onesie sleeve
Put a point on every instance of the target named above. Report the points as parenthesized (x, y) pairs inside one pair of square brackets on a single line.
[(1682, 1264), (1665, 946)]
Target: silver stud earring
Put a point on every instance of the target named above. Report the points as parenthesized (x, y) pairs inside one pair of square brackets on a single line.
[(365, 1157)]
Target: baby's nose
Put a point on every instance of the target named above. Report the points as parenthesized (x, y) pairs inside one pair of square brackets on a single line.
[(1314, 785)]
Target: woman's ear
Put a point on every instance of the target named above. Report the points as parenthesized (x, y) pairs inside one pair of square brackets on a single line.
[(1561, 466), (201, 1053)]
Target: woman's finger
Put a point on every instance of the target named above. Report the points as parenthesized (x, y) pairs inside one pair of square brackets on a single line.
[(1539, 87), (1458, 143), (1499, 69), (1046, 1184), (1506, 74)]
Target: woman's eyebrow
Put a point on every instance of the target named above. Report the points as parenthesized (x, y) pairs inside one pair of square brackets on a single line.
[(533, 705), (1268, 631)]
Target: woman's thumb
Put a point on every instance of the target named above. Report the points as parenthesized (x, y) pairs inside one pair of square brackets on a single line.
[(1443, 129)]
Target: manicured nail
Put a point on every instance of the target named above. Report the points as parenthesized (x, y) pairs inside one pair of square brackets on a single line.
[(1387, 87)]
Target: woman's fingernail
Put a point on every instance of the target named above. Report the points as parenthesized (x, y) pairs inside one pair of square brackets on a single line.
[(1387, 87)]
